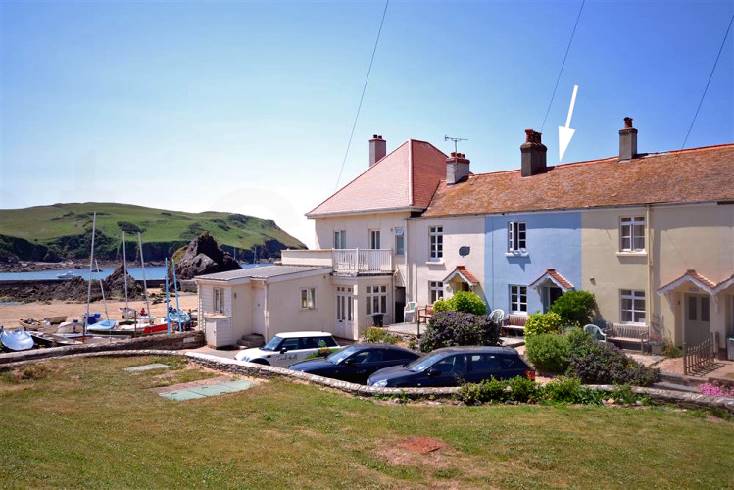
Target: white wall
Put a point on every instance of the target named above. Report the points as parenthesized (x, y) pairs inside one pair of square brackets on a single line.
[(284, 305)]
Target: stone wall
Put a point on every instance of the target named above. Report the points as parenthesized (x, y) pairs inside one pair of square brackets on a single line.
[(185, 340)]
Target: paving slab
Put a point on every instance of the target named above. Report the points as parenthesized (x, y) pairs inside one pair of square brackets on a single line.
[(204, 388), (146, 367)]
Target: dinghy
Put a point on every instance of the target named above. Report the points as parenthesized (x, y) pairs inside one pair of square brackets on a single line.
[(15, 340), (51, 340), (102, 325)]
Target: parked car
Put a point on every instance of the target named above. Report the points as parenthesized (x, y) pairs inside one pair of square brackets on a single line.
[(356, 362), (287, 348), (452, 366)]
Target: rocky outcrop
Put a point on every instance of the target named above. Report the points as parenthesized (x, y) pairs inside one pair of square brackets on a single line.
[(203, 256), (114, 285)]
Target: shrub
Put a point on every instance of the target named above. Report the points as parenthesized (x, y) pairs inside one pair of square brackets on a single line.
[(711, 389), (488, 391), (455, 328), (575, 307), (539, 323), (377, 335), (570, 390), (579, 341), (624, 395), (524, 390), (548, 352), (442, 305), (671, 350), (463, 301), (606, 364)]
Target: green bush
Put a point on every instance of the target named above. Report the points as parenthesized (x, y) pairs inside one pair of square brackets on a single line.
[(377, 335), (450, 328), (463, 301), (488, 391), (540, 323), (579, 341), (671, 350), (570, 390), (548, 352), (524, 390), (601, 363), (576, 308)]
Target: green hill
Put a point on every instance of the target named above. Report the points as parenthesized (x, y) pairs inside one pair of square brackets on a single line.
[(63, 231)]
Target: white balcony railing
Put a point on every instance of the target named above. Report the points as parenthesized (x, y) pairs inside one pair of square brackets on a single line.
[(342, 261)]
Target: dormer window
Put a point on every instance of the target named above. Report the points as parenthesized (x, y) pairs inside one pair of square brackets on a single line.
[(516, 236)]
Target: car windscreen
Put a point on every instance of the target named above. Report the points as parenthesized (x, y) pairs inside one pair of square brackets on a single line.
[(273, 343), (338, 357), (425, 362)]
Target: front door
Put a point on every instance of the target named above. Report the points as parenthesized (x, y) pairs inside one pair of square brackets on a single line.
[(552, 293), (697, 319), (399, 305), (344, 312)]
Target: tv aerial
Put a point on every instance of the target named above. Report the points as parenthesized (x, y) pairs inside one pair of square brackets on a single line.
[(455, 140)]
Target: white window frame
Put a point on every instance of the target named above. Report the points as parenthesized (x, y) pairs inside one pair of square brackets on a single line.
[(218, 300), (340, 239), (308, 298), (435, 291), (517, 236), (517, 291), (628, 231), (435, 242), (634, 296), (399, 241), (344, 304), (376, 299), (374, 239)]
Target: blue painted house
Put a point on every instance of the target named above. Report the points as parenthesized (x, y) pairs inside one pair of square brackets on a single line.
[(531, 259)]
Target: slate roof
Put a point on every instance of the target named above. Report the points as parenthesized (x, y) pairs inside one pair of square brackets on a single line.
[(686, 176), (405, 178), (265, 272)]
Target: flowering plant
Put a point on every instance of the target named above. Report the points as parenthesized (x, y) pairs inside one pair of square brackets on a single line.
[(711, 389)]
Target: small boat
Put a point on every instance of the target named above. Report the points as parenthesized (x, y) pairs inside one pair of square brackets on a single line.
[(102, 325), (51, 340), (15, 340), (71, 327), (93, 318), (67, 275), (31, 323), (53, 320)]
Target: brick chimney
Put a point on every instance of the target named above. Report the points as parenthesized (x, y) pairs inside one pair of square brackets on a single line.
[(627, 140), (457, 168), (378, 148), (532, 154)]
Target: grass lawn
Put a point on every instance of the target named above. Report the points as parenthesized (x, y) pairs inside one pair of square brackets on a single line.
[(87, 423)]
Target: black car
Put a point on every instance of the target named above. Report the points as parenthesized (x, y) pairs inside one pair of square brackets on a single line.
[(452, 366), (357, 362)]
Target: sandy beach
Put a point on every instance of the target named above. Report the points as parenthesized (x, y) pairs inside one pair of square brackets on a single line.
[(11, 313)]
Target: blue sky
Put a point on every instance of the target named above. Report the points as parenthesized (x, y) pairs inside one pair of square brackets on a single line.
[(247, 106)]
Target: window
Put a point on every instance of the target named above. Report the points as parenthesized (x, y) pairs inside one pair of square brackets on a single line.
[(308, 298), (317, 342), (340, 239), (344, 304), (399, 241), (452, 366), (633, 306), (516, 236), (518, 299), (435, 234), (632, 234), (435, 290), (375, 239), (376, 300), (218, 300), (290, 344)]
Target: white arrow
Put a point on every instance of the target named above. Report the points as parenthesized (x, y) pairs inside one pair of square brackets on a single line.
[(565, 133)]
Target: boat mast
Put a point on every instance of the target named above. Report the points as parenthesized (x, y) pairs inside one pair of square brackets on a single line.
[(89, 282), (145, 285), (168, 301), (124, 270), (175, 295), (104, 300)]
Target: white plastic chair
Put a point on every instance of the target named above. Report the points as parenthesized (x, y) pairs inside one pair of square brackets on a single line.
[(497, 316), (410, 309), (596, 332)]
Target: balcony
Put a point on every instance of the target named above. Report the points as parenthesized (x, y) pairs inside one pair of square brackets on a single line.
[(350, 261)]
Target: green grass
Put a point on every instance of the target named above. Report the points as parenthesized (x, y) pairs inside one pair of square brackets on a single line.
[(43, 224), (86, 423)]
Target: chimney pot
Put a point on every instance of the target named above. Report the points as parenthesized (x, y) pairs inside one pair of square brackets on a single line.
[(532, 154), (627, 140), (457, 168), (377, 149)]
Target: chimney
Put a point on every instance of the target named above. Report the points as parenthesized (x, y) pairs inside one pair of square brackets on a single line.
[(457, 168), (627, 140), (532, 154), (378, 148)]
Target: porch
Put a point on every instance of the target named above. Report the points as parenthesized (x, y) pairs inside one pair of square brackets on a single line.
[(350, 261)]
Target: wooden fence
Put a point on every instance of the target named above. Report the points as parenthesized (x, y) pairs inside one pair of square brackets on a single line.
[(700, 357)]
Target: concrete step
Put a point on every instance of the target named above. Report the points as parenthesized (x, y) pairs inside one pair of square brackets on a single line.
[(250, 341)]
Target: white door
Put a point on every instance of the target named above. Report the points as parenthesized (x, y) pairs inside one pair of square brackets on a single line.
[(258, 314), (697, 318), (344, 312)]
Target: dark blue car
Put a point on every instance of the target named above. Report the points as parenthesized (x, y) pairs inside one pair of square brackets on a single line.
[(357, 362), (452, 366)]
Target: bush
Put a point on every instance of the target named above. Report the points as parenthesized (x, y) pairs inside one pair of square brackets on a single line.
[(579, 341), (570, 390), (462, 301), (540, 323), (377, 335), (671, 350), (442, 305), (576, 308), (548, 352), (450, 328), (524, 390), (488, 391), (605, 364)]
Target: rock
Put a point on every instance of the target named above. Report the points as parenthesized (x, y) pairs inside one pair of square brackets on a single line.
[(203, 256), (114, 285)]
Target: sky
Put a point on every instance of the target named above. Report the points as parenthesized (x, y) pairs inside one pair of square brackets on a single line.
[(247, 106)]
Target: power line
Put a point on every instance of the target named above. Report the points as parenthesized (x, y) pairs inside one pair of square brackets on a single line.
[(703, 96), (364, 90), (563, 65)]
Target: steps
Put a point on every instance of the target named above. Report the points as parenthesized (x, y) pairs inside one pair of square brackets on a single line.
[(251, 340)]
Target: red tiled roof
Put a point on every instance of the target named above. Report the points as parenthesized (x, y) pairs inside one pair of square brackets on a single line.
[(407, 177), (554, 276), (464, 273), (686, 176), (690, 276)]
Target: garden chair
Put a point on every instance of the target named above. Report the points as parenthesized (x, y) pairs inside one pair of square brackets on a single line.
[(497, 316), (410, 309), (596, 332)]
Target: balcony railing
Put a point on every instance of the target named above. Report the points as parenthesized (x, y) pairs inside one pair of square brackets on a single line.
[(342, 261)]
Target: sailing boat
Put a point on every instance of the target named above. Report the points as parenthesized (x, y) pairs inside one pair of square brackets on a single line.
[(127, 312), (180, 317), (106, 324)]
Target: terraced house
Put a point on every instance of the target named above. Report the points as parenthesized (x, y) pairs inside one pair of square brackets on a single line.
[(650, 234)]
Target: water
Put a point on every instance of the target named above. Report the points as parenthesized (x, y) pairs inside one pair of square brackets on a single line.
[(152, 273)]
